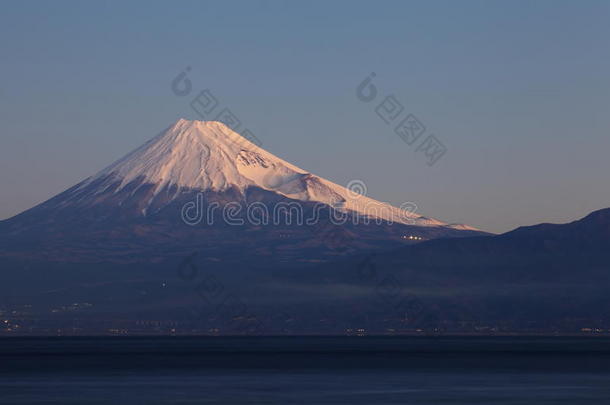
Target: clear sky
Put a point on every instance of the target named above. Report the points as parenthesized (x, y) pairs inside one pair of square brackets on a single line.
[(517, 91)]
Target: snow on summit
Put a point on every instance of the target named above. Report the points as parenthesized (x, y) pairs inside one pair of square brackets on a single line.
[(208, 155), (190, 154)]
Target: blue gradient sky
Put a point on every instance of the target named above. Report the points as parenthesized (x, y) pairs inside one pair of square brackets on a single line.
[(519, 92)]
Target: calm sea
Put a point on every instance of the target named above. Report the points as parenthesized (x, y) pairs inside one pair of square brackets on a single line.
[(305, 370)]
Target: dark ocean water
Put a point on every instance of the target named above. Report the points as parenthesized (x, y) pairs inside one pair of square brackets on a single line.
[(305, 370)]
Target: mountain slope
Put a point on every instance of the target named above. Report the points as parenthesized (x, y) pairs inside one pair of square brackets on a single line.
[(585, 242), (541, 278), (209, 156), (133, 210), (116, 246)]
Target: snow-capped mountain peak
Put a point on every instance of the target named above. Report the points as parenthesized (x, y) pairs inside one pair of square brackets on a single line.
[(208, 155)]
